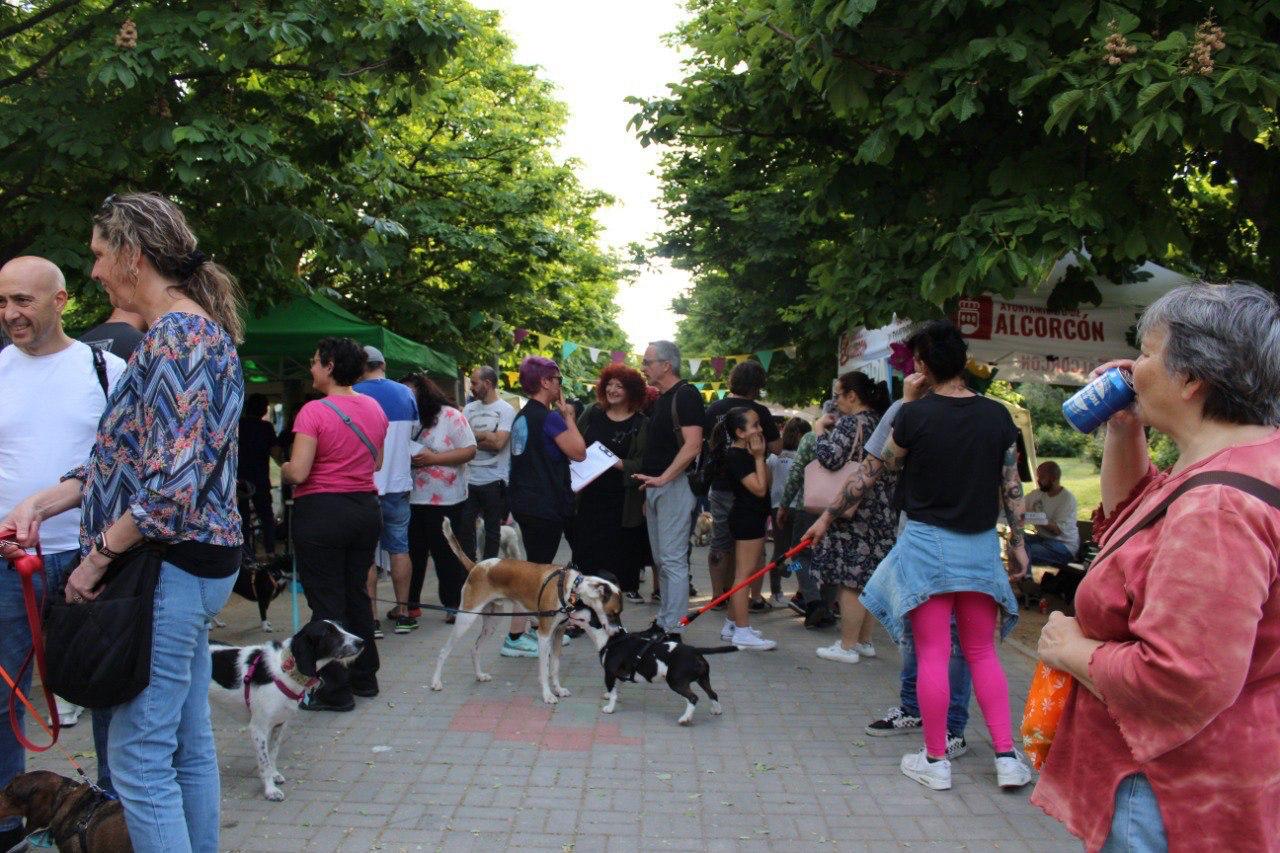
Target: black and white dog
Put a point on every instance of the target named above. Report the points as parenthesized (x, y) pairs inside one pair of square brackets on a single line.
[(262, 582), (264, 683), (655, 656)]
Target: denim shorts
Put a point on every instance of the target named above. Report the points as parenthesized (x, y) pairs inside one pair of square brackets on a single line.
[(394, 538)]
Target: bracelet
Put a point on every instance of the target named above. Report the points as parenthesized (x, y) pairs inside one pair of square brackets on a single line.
[(100, 543)]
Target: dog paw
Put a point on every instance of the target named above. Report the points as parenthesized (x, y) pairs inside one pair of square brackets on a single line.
[(716, 709), (549, 699), (607, 709), (274, 794), (483, 676), (266, 627), (685, 721), (562, 691), (277, 778), (437, 685)]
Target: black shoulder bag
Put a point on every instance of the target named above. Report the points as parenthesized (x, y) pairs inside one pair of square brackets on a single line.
[(99, 652), (699, 473)]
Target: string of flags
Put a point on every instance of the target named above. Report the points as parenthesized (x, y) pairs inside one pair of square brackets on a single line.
[(717, 364)]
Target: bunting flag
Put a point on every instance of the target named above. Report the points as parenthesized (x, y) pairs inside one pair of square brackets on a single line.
[(512, 378), (700, 385), (567, 349), (695, 364), (619, 356), (717, 364), (520, 335), (790, 351), (766, 357), (594, 353), (708, 395), (720, 395)]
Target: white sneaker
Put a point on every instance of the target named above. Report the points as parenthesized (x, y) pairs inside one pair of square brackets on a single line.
[(778, 599), (931, 774), (865, 650), (1012, 772), (726, 633), (839, 653), (750, 640)]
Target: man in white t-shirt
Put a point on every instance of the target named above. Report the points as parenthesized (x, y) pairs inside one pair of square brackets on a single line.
[(53, 391), (1056, 541), (490, 418)]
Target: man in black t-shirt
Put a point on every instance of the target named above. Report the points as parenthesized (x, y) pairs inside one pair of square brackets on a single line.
[(674, 441), (746, 381), (119, 334)]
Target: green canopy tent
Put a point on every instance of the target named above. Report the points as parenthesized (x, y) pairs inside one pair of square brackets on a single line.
[(279, 344)]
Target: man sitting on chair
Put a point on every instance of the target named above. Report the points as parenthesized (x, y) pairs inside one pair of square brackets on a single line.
[(1055, 542)]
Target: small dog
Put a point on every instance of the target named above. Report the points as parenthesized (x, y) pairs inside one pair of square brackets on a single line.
[(531, 587), (79, 819), (263, 583), (701, 529), (654, 656), (264, 683)]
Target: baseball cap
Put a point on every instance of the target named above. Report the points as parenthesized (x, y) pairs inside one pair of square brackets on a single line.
[(374, 355)]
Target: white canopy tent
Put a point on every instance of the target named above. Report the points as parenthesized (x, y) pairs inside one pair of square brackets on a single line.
[(1022, 338)]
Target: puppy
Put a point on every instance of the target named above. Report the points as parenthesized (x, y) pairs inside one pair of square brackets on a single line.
[(264, 683), (531, 587), (80, 819), (263, 583), (701, 529), (653, 657)]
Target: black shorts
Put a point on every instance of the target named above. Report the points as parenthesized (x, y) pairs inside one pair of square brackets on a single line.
[(743, 526)]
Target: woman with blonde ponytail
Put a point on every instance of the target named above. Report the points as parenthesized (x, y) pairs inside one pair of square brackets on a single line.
[(163, 471)]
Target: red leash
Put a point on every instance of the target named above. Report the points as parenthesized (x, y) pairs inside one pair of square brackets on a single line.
[(27, 567), (800, 546)]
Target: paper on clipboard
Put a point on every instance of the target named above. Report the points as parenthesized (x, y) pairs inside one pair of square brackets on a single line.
[(599, 459)]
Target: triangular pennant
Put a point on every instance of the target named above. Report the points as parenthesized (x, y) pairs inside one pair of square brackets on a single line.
[(790, 351), (717, 364), (695, 364), (707, 395), (721, 394), (594, 353), (700, 385), (619, 356), (521, 334), (766, 357), (545, 342), (567, 349), (512, 378)]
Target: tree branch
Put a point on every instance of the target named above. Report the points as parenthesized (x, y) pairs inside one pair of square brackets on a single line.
[(14, 29), (74, 36), (875, 67)]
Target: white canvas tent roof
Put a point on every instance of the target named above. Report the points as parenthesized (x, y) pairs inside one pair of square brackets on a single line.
[(1026, 341)]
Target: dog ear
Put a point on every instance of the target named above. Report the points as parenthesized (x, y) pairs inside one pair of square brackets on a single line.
[(33, 795), (303, 648)]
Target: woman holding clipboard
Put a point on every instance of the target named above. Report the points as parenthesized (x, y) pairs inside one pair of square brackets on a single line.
[(609, 533)]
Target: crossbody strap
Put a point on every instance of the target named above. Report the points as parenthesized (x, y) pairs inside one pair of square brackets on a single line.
[(1260, 489), (214, 475), (100, 368), (354, 427), (675, 418)]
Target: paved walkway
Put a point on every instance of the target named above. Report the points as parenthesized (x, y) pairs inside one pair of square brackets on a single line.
[(488, 766)]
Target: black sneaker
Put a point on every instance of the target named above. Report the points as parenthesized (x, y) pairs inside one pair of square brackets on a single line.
[(310, 703), (377, 630), (365, 692), (759, 605), (693, 591), (896, 722), (405, 624), (796, 603), (956, 746), (633, 597)]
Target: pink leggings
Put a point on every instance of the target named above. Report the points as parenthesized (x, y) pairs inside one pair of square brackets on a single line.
[(976, 625)]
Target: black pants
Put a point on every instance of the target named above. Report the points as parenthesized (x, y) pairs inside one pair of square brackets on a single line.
[(334, 536), (426, 539), (541, 537), (260, 500), (489, 502)]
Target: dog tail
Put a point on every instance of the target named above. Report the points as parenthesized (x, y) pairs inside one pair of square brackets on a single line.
[(718, 650), (447, 529)]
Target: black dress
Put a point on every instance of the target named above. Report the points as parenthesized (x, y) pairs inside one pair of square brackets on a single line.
[(600, 543)]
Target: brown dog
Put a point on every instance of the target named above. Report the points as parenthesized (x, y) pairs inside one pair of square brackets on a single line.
[(591, 603), (79, 819)]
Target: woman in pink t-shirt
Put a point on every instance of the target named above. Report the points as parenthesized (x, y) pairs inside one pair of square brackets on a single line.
[(337, 446), (1170, 736)]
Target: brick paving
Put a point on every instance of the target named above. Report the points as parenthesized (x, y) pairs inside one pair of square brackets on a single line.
[(489, 766)]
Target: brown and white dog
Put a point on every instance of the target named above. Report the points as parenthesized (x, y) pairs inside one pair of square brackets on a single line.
[(79, 818), (701, 529), (591, 603)]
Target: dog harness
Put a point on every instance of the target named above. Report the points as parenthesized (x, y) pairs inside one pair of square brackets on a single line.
[(295, 695)]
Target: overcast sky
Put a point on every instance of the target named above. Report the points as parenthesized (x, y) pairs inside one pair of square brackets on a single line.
[(597, 53)]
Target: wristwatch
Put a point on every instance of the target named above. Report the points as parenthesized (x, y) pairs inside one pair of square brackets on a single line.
[(100, 545)]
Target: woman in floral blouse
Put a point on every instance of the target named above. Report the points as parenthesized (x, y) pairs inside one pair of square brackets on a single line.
[(171, 424)]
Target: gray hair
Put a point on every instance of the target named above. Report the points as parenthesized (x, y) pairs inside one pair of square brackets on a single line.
[(1227, 336), (668, 352), (488, 374)]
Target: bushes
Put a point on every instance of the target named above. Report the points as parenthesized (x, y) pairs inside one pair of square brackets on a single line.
[(1058, 440)]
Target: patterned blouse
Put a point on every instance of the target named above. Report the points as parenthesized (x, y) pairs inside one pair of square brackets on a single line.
[(172, 411)]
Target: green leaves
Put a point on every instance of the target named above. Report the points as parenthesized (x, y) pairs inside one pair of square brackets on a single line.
[(1062, 108)]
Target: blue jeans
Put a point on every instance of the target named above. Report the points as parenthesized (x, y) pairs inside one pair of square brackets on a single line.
[(163, 761), (961, 682), (15, 643), (1048, 552), (1136, 826)]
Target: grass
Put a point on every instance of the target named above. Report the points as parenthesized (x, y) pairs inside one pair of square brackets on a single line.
[(1081, 479)]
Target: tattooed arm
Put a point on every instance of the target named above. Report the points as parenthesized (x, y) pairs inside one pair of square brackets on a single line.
[(856, 487), (1011, 502)]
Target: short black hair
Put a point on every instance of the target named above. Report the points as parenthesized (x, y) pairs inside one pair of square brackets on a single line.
[(941, 347), (347, 357), (747, 379), (255, 405)]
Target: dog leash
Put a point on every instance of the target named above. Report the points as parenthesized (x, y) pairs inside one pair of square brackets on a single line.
[(28, 566), (800, 546)]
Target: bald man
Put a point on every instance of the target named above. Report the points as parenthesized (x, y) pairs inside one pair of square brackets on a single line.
[(1057, 539), (53, 391)]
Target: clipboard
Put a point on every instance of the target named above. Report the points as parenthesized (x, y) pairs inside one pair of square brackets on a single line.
[(599, 459)]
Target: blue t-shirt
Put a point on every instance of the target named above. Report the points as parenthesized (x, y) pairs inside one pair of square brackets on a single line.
[(552, 426)]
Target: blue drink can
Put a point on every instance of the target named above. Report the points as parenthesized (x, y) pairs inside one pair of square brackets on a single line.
[(1091, 406)]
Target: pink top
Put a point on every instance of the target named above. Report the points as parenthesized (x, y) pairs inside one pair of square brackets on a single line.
[(1189, 614), (343, 463)]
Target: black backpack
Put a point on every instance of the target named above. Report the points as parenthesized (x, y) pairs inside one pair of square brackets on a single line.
[(700, 472)]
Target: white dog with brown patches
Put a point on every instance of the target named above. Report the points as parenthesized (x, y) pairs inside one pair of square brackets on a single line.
[(564, 594)]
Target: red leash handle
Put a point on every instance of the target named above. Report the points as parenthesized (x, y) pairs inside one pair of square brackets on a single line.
[(800, 546), (27, 567)]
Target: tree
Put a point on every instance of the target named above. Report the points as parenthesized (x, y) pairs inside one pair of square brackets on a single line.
[(390, 152), (845, 160)]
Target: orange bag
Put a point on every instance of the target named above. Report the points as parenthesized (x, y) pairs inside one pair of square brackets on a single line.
[(1046, 700)]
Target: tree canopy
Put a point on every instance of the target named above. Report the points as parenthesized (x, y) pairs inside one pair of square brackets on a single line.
[(834, 162), (388, 151)]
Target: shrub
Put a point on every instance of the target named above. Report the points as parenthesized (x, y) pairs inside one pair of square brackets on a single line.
[(1164, 453), (1056, 440)]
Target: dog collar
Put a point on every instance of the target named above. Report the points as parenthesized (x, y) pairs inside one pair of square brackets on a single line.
[(295, 695)]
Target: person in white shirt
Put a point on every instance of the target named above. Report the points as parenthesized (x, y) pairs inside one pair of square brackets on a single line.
[(490, 418), (55, 390), (1055, 542)]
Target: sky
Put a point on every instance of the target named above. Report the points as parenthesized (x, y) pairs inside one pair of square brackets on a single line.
[(597, 53)]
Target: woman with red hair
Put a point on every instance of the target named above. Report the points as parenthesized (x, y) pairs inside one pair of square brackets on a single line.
[(609, 533)]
